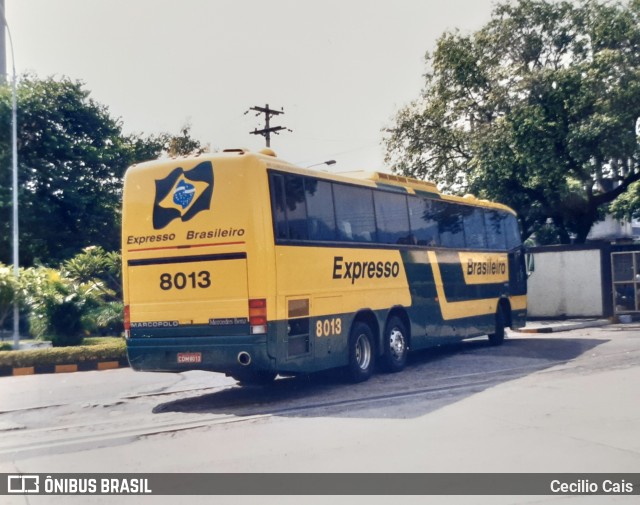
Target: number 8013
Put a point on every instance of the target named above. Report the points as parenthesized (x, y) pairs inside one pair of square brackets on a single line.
[(182, 280)]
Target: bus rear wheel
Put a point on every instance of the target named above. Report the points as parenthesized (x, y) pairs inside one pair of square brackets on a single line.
[(361, 353), (394, 356), (497, 338)]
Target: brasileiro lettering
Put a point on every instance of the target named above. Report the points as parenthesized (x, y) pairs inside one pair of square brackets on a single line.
[(217, 233), (490, 266), (190, 235), (355, 270)]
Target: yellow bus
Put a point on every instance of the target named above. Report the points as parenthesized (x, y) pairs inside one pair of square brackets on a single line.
[(241, 263)]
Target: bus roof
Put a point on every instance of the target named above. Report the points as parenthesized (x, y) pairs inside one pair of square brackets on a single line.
[(368, 178)]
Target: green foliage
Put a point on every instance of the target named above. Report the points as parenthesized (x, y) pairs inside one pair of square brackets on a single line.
[(628, 204), (102, 271), (83, 297), (536, 110), (9, 292), (58, 306), (184, 144), (72, 156), (100, 349), (98, 268)]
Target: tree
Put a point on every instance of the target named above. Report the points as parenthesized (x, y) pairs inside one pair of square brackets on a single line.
[(72, 156), (536, 110), (627, 206), (184, 144), (9, 293)]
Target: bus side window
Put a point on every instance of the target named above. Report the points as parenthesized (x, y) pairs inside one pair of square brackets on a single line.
[(449, 217), (494, 224), (475, 237), (344, 229), (354, 213), (322, 219), (296, 207), (512, 232), (392, 218), (424, 226), (278, 206)]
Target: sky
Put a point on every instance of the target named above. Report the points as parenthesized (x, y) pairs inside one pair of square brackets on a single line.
[(340, 69)]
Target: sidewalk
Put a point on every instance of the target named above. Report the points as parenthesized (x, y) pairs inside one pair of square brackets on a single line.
[(84, 366), (554, 326)]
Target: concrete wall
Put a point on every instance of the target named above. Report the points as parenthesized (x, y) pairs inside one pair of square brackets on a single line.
[(611, 229), (566, 283)]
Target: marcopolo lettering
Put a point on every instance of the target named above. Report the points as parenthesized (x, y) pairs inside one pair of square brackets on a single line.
[(156, 324), (355, 270)]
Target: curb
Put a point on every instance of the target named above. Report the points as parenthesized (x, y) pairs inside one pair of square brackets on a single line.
[(85, 366), (555, 327)]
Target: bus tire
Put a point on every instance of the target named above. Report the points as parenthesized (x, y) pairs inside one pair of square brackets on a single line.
[(252, 378), (497, 338), (361, 352), (395, 346)]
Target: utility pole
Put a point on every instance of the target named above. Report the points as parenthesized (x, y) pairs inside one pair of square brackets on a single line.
[(14, 168), (267, 130), (3, 48)]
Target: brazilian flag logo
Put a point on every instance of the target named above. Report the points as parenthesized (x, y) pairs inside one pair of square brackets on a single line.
[(183, 194)]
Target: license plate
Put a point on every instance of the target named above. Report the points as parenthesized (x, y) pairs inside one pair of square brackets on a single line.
[(189, 357)]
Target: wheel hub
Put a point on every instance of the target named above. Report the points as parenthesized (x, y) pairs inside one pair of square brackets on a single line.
[(396, 344), (363, 352)]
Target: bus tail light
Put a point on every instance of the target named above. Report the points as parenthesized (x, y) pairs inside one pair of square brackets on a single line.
[(258, 315), (127, 321)]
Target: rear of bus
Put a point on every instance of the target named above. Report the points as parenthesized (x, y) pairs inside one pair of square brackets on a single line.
[(194, 278)]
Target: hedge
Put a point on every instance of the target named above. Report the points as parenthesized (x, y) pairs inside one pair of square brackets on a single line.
[(93, 349)]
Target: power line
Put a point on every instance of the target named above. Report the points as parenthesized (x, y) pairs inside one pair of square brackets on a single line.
[(267, 130)]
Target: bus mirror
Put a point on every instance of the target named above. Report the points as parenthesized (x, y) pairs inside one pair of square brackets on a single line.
[(531, 263)]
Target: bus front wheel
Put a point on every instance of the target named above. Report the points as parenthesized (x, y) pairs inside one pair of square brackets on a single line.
[(361, 352), (394, 356)]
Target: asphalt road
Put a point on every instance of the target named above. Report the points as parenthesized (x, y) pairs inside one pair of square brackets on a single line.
[(564, 402)]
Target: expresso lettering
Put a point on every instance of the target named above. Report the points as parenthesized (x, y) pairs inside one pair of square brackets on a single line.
[(364, 269), (146, 239)]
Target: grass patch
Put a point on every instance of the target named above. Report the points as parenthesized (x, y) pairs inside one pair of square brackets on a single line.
[(92, 349)]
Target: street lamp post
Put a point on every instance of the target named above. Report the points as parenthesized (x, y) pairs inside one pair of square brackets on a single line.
[(14, 164)]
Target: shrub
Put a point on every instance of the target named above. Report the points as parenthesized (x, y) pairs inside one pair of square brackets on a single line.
[(65, 322), (58, 306), (64, 305), (98, 349)]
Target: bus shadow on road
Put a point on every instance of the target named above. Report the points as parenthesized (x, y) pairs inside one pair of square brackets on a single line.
[(433, 379)]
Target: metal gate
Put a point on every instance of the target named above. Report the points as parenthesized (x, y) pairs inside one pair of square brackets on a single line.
[(625, 270)]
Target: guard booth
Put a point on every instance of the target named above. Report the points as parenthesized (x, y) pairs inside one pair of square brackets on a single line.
[(592, 280), (625, 271)]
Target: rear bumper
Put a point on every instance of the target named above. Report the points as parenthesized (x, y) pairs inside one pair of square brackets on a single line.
[(218, 354)]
